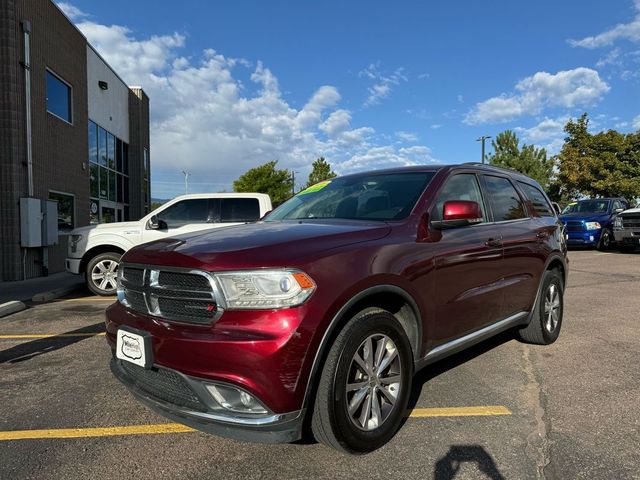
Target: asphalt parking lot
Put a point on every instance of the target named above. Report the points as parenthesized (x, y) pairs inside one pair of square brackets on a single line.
[(502, 410)]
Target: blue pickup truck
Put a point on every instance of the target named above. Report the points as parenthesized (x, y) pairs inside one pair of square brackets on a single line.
[(590, 222)]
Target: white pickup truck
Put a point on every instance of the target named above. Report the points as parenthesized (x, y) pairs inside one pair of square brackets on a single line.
[(96, 250), (626, 229)]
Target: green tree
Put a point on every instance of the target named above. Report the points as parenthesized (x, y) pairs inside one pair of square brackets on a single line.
[(529, 160), (604, 164), (278, 184), (321, 171)]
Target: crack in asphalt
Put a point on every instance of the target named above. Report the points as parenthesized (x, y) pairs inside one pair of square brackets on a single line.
[(538, 441)]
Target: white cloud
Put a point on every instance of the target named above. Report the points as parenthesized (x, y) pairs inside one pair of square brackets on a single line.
[(611, 58), (435, 126), (623, 31), (383, 84), (218, 116), (460, 99), (407, 136), (636, 122), (568, 88), (71, 11), (547, 129)]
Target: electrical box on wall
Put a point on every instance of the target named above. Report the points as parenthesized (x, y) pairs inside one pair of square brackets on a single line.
[(50, 223), (30, 222)]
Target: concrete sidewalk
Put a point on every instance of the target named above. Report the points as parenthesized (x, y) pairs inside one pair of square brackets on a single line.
[(26, 289)]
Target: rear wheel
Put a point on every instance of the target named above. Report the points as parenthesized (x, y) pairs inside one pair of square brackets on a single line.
[(546, 321), (102, 272), (365, 384), (605, 240)]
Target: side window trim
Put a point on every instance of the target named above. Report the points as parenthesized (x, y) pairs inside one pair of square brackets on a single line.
[(518, 192)]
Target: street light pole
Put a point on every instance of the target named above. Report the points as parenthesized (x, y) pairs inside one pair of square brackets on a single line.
[(186, 181), (482, 139), (293, 181)]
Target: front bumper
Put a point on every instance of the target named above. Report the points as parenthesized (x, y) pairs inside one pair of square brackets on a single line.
[(627, 236), (270, 428), (72, 265), (586, 237)]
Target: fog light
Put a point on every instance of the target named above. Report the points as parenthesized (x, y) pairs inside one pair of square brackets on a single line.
[(234, 399)]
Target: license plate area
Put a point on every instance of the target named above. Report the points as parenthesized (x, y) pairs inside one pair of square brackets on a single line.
[(134, 346)]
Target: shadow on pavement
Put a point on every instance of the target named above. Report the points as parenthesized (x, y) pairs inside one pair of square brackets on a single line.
[(447, 467), (28, 350)]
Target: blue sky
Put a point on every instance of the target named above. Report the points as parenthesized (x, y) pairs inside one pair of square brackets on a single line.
[(366, 84)]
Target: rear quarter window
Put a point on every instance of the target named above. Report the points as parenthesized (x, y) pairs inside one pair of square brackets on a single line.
[(538, 201), (239, 210)]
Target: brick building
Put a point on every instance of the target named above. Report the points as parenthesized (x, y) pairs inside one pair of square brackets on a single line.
[(71, 131)]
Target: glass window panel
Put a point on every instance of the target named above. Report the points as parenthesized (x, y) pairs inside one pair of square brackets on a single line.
[(95, 180), (93, 212), (125, 158), (186, 212), (102, 146), (111, 151), (459, 187), (108, 215), (126, 189), (538, 201), (505, 202), (58, 97), (239, 210), (112, 186), (66, 216), (118, 154), (119, 188), (146, 163), (126, 214), (104, 182), (93, 142)]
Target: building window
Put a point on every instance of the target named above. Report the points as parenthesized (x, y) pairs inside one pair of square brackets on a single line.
[(146, 192), (66, 212), (58, 97)]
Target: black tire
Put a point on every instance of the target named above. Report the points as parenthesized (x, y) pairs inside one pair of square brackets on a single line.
[(106, 285), (606, 237), (331, 423), (627, 249), (541, 329)]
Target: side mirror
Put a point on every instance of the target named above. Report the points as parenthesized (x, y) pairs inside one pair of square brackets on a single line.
[(155, 223), (459, 213), (556, 208)]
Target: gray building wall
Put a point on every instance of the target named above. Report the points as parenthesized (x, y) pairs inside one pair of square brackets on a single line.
[(139, 141), (60, 159)]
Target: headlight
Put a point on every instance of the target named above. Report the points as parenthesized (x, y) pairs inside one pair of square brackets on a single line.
[(75, 239), (120, 288), (592, 225), (617, 223), (264, 289)]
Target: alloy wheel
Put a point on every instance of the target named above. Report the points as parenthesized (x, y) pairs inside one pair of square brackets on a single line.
[(552, 308), (104, 275)]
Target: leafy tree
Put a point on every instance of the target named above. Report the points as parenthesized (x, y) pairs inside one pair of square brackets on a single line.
[(278, 184), (529, 160), (604, 164), (321, 171)]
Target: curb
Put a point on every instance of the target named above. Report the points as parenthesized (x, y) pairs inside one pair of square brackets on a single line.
[(11, 307), (56, 293)]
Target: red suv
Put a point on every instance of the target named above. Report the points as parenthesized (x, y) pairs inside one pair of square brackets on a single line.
[(325, 309)]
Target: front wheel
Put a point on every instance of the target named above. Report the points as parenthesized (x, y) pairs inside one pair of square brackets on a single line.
[(365, 385), (102, 273), (546, 320), (605, 240)]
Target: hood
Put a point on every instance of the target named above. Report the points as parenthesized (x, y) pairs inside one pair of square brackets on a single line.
[(633, 211), (104, 228), (254, 245), (585, 217)]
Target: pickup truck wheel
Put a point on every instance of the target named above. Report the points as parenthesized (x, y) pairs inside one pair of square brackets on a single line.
[(365, 384), (626, 249), (605, 240), (102, 272), (546, 321)]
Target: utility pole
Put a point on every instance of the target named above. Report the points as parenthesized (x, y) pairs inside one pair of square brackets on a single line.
[(482, 139), (293, 181), (186, 181)]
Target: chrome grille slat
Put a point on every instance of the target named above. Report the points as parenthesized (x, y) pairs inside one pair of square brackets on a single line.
[(187, 296)]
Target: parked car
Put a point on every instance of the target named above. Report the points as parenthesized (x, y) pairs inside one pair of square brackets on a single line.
[(95, 250), (627, 229), (324, 310), (590, 222)]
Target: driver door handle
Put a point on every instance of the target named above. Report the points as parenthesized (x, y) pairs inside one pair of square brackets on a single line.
[(493, 242)]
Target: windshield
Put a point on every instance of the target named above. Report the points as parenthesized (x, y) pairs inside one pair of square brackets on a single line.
[(389, 196), (587, 206)]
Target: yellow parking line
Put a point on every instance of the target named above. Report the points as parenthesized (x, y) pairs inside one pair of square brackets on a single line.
[(88, 299), (178, 428), (50, 335), (94, 432), (460, 411)]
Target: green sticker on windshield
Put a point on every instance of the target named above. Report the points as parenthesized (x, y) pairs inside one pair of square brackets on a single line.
[(315, 188)]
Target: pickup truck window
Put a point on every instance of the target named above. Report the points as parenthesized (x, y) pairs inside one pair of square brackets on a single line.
[(505, 202), (239, 210), (538, 201), (459, 187), (185, 212)]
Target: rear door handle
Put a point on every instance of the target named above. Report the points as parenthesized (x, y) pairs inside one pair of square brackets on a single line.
[(493, 242)]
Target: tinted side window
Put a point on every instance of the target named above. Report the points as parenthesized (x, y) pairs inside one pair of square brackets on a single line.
[(463, 186), (505, 202), (186, 212), (239, 210), (538, 201)]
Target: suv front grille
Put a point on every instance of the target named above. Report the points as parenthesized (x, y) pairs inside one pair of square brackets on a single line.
[(183, 296), (631, 221), (165, 385), (573, 226)]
